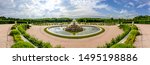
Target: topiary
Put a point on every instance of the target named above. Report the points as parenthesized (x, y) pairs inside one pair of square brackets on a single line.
[(13, 27), (14, 32)]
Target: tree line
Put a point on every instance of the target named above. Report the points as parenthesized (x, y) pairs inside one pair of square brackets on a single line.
[(142, 19), (5, 20), (137, 19)]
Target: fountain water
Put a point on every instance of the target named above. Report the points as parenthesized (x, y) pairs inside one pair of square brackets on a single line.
[(74, 30)]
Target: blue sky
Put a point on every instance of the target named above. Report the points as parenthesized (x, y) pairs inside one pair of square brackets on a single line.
[(74, 8)]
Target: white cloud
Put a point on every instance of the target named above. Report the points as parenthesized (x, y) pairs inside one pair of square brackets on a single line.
[(84, 8), (61, 8), (28, 8), (123, 13), (130, 3), (47, 8), (104, 6), (80, 13), (76, 8), (142, 5)]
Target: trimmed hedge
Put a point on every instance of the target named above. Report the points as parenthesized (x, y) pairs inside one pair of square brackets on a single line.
[(122, 46), (22, 44), (34, 41), (126, 29), (16, 35), (130, 40), (17, 38), (132, 36), (14, 32), (19, 43), (13, 27)]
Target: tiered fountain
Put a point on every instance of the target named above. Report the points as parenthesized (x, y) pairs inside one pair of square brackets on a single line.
[(74, 27)]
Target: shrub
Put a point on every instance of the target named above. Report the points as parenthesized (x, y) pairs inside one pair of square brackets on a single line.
[(17, 38), (132, 36), (46, 45), (25, 26), (121, 45), (126, 29), (134, 27), (22, 44), (134, 32), (21, 29), (13, 27), (113, 41), (34, 41), (14, 32), (108, 45)]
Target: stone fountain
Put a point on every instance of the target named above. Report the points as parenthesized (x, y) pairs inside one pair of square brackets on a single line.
[(74, 30), (74, 27)]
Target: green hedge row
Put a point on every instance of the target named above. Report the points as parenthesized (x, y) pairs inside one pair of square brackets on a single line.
[(14, 27), (132, 36), (16, 35), (34, 41), (14, 32), (122, 46), (22, 44), (126, 29), (19, 43), (130, 40)]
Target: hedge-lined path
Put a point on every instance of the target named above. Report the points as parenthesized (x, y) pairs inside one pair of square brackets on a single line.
[(143, 41), (6, 41), (124, 39), (91, 42), (26, 40)]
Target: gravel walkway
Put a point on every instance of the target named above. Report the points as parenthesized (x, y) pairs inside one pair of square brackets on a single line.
[(143, 41), (6, 41)]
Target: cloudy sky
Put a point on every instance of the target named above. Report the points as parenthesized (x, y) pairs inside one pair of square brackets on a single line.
[(74, 8)]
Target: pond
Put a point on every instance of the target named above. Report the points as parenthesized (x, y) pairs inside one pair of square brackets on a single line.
[(87, 30)]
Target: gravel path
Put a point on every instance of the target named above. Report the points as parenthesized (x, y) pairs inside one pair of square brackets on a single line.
[(6, 41), (143, 41), (91, 42)]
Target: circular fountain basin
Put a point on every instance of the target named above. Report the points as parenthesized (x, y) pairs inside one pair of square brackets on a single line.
[(87, 32)]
